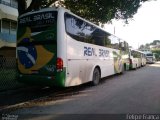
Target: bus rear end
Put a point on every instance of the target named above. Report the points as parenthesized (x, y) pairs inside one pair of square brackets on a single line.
[(37, 49), (150, 58)]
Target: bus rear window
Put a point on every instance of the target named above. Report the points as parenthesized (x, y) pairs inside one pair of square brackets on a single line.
[(38, 22)]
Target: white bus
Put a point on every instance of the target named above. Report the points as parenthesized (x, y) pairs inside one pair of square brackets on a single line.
[(135, 59), (57, 47), (143, 58), (150, 57)]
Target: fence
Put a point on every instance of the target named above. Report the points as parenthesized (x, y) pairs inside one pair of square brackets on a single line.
[(8, 74)]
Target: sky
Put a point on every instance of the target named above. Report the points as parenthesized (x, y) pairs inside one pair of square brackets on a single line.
[(144, 28)]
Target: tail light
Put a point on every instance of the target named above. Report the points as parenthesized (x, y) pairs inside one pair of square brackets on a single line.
[(59, 64), (130, 61)]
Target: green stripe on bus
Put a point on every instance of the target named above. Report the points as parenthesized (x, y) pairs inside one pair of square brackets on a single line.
[(60, 78)]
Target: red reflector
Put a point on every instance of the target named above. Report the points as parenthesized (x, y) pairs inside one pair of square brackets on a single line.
[(130, 60), (59, 64)]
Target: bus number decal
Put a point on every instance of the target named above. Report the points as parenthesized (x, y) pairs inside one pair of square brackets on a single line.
[(103, 53), (88, 51)]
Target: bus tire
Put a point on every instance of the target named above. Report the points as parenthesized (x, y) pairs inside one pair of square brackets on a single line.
[(123, 69), (96, 77)]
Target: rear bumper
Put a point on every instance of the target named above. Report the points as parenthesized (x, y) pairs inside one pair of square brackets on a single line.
[(41, 80), (150, 62), (36, 80)]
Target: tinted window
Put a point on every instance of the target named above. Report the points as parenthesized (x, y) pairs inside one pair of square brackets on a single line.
[(149, 54), (5, 26), (38, 21), (85, 32), (136, 54), (13, 28), (79, 29)]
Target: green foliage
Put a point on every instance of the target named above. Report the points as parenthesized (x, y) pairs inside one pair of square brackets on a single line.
[(147, 45), (35, 5), (102, 11), (155, 42), (144, 47), (157, 53), (155, 49), (97, 11)]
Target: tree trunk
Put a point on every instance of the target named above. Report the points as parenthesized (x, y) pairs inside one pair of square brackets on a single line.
[(21, 6)]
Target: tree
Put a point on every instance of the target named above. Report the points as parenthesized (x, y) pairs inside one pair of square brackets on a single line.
[(144, 47), (35, 5), (102, 11), (155, 42), (157, 53), (141, 47), (97, 11)]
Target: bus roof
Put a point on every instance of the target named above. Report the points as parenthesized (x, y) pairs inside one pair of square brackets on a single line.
[(137, 50), (68, 11)]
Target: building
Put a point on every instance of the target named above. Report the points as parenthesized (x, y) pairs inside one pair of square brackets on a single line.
[(8, 24), (153, 47)]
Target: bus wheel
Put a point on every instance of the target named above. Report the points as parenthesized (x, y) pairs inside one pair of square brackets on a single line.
[(96, 77), (123, 69)]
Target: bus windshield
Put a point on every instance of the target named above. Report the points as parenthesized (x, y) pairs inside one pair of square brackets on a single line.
[(149, 54)]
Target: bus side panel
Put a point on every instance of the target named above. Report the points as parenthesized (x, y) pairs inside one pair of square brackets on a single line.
[(143, 61), (134, 63), (139, 62), (83, 58), (76, 73), (61, 48)]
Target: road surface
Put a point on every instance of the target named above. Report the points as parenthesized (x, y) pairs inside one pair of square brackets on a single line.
[(134, 92)]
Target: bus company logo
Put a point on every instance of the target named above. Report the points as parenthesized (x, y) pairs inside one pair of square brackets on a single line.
[(50, 68), (38, 19), (27, 56), (89, 51)]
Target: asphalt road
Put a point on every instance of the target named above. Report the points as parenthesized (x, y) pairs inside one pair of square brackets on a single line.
[(134, 92)]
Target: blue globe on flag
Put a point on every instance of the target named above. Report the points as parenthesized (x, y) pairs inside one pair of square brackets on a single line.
[(27, 55)]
